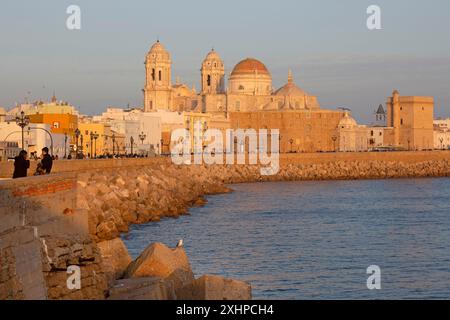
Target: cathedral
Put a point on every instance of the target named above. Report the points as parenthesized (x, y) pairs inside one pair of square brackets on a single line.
[(249, 87)]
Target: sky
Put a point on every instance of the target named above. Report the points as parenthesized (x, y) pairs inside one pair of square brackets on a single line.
[(326, 43)]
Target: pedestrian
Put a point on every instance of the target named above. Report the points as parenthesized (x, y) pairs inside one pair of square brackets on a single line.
[(47, 161), (21, 165)]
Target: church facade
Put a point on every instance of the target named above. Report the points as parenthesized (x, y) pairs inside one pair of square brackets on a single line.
[(249, 87)]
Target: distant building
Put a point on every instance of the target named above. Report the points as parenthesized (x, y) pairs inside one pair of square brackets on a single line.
[(107, 141), (300, 130), (441, 134), (380, 116), (8, 150), (412, 121), (352, 137), (144, 128), (249, 87)]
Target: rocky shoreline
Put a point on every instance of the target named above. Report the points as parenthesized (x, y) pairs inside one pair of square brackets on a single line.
[(114, 199)]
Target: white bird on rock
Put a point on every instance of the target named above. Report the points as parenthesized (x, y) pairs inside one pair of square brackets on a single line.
[(180, 243)]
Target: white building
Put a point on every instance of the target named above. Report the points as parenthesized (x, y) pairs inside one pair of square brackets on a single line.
[(143, 128), (441, 134), (352, 137), (8, 150), (36, 137)]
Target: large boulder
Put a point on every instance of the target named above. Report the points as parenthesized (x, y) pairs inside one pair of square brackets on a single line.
[(160, 261), (115, 258), (142, 289), (210, 287)]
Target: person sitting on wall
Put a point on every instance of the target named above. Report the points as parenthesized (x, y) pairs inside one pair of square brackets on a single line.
[(21, 165), (47, 161)]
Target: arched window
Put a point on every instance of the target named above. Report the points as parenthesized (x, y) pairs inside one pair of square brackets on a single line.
[(153, 74), (241, 87), (160, 75), (208, 81)]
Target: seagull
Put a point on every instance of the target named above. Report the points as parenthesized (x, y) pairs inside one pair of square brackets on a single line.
[(180, 243)]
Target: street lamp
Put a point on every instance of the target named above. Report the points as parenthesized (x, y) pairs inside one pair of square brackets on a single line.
[(81, 147), (113, 137), (131, 143), (92, 137), (22, 122), (142, 136), (65, 145), (291, 141), (95, 136), (77, 135), (441, 139)]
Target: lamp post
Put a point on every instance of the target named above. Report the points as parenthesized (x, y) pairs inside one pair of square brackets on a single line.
[(291, 141), (65, 145), (162, 145), (22, 122), (142, 137), (441, 139), (95, 136), (131, 144), (81, 147), (92, 137), (77, 135)]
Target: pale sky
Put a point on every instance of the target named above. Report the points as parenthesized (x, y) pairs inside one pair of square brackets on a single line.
[(325, 42)]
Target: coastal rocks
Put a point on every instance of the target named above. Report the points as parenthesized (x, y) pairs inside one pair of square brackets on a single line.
[(115, 258), (152, 288), (160, 261), (209, 287)]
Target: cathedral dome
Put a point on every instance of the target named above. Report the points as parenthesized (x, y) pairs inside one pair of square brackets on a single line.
[(290, 89), (250, 66), (347, 122)]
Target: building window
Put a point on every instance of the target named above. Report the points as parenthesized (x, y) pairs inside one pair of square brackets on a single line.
[(401, 121), (153, 74), (208, 81), (160, 75), (371, 133), (56, 125), (238, 106), (241, 87)]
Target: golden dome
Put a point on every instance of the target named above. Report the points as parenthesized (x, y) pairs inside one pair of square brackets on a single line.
[(250, 66)]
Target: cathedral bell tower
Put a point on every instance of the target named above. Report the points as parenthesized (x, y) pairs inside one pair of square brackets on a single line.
[(213, 74), (158, 83)]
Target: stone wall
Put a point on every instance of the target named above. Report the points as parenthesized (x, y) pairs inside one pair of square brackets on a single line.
[(42, 232)]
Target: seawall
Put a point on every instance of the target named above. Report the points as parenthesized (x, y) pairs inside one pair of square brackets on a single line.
[(48, 223)]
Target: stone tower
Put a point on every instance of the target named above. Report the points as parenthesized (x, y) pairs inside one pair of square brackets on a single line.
[(213, 74), (158, 83)]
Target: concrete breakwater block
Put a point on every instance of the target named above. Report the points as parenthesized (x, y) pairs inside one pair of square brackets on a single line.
[(209, 287), (172, 266), (158, 260), (115, 258), (152, 288)]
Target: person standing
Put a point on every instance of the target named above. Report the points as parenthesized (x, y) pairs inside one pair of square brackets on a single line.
[(47, 161), (21, 165)]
